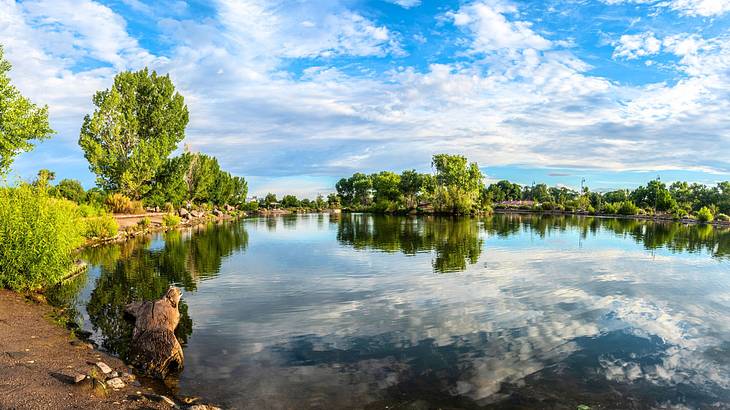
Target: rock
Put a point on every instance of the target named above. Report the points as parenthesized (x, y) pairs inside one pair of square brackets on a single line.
[(155, 350), (203, 407), (113, 375), (115, 383), (217, 212), (159, 398), (197, 214), (69, 377), (104, 367), (229, 208), (17, 355), (183, 212)]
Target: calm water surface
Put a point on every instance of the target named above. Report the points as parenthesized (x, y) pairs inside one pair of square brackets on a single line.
[(361, 311)]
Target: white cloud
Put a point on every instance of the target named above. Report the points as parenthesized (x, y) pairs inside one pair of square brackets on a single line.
[(488, 22), (632, 46), (406, 3), (694, 8)]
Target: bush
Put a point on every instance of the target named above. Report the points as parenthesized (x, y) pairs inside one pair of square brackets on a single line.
[(120, 204), (704, 215), (144, 223), (38, 233), (103, 226), (627, 208), (171, 220), (252, 206), (722, 217), (168, 207), (89, 210)]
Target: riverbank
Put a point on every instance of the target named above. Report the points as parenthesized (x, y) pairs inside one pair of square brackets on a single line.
[(652, 218), (43, 366)]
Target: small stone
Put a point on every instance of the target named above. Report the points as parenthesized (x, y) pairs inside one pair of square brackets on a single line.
[(104, 367), (115, 383), (203, 407), (113, 375), (160, 398), (69, 377)]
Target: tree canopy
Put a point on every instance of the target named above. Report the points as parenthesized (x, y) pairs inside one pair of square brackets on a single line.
[(21, 121), (137, 123)]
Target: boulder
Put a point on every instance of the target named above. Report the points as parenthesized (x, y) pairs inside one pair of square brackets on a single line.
[(183, 212), (217, 212), (155, 350), (229, 208)]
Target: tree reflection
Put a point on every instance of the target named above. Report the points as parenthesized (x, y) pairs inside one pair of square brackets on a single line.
[(144, 268), (455, 241)]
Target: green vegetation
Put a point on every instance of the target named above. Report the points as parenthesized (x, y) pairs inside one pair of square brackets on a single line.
[(705, 215), (102, 226), (21, 121), (120, 204), (455, 188), (38, 233), (171, 220), (136, 125)]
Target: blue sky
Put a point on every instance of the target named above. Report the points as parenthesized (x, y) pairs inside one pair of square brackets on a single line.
[(294, 94)]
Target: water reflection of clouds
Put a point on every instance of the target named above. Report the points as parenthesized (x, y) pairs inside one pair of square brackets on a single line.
[(521, 295), (303, 317)]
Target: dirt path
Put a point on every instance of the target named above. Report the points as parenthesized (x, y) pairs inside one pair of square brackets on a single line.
[(34, 352)]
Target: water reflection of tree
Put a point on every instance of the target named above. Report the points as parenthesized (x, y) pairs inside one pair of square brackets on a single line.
[(676, 237), (134, 270), (455, 241)]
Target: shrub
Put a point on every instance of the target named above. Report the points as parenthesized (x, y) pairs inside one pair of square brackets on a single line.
[(705, 215), (120, 204), (168, 207), (627, 208), (144, 223), (103, 226), (722, 217), (38, 233), (252, 206), (89, 210), (611, 208), (171, 220)]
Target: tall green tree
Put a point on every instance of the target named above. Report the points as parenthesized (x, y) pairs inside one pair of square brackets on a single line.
[(137, 123), (21, 121), (411, 183), (459, 183), (71, 189), (386, 186)]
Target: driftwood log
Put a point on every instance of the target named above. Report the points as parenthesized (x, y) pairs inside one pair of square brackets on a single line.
[(155, 350)]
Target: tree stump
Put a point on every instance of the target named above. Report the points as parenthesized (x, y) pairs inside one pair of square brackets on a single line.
[(155, 350)]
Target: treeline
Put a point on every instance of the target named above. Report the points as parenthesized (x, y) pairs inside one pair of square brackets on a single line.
[(678, 200), (455, 187), (128, 140), (292, 203)]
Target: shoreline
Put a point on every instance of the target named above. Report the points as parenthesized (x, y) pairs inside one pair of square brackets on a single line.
[(44, 365)]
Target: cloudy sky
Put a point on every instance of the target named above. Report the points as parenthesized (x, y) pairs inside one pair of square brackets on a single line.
[(295, 94)]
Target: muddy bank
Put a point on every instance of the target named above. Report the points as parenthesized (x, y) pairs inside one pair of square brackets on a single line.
[(43, 366)]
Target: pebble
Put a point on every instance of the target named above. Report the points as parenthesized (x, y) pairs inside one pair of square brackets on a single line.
[(115, 383), (104, 367)]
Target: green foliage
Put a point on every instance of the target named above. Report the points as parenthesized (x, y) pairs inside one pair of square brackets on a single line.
[(386, 186), (137, 123), (289, 201), (627, 208), (90, 210), (21, 121), (722, 217), (252, 206), (459, 184), (38, 234), (705, 215), (171, 220), (144, 223), (333, 201), (72, 190), (120, 204), (411, 184), (102, 226)]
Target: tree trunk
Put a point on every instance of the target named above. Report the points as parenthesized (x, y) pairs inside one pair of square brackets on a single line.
[(155, 350)]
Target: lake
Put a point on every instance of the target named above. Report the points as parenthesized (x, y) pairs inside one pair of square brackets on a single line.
[(362, 311)]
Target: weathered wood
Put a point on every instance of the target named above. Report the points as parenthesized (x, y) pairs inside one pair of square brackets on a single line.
[(155, 350)]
